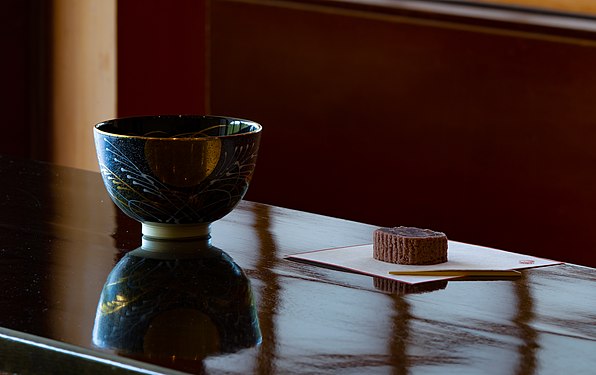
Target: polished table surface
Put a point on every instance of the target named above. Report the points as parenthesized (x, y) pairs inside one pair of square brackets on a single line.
[(60, 237)]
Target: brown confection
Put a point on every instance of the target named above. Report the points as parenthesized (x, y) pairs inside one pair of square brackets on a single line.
[(408, 245)]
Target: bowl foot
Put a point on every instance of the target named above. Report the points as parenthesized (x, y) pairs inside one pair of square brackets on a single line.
[(176, 231)]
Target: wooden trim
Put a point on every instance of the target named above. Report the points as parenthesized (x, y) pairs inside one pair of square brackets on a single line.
[(578, 8), (509, 21)]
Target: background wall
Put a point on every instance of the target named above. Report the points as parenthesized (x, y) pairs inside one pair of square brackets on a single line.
[(70, 60), (161, 57), (482, 129)]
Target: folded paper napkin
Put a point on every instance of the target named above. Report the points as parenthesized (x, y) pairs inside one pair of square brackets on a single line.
[(461, 257)]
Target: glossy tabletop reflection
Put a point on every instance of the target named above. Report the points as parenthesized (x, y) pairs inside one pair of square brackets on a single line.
[(80, 294)]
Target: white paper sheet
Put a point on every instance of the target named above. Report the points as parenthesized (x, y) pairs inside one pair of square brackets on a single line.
[(461, 256)]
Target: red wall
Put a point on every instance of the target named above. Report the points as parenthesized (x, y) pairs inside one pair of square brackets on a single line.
[(486, 136), (161, 57)]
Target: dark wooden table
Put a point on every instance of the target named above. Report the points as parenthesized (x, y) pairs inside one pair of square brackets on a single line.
[(60, 237)]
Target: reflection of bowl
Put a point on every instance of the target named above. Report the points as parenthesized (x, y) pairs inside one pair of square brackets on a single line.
[(177, 174), (176, 302)]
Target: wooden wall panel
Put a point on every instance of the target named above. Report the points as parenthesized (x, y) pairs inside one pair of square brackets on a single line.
[(83, 77), (24, 38), (486, 134), (14, 39), (161, 57)]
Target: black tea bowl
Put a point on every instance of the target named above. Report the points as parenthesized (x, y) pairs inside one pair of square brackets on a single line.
[(177, 174)]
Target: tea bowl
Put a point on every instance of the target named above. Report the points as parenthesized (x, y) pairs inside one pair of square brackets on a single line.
[(177, 174)]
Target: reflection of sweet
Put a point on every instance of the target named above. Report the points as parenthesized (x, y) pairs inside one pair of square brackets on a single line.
[(398, 287), (169, 302)]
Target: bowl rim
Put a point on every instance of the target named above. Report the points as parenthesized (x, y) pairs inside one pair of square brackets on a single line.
[(258, 126)]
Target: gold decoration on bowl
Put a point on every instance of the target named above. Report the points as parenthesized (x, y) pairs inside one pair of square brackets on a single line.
[(182, 164)]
